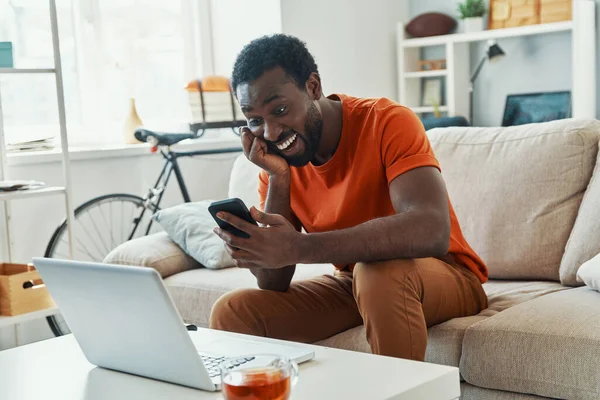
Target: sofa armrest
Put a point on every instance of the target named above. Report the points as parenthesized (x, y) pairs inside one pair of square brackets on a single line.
[(156, 251)]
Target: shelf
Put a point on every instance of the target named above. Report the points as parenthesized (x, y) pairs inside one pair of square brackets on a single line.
[(27, 70), (21, 194), (490, 34), (425, 74), (17, 319), (428, 109)]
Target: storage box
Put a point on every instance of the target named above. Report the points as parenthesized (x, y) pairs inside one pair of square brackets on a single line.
[(6, 55), (21, 290), (513, 13), (556, 10)]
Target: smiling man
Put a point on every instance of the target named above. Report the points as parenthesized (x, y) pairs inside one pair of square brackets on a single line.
[(360, 177)]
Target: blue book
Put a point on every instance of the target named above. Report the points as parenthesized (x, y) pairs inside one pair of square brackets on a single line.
[(6, 55)]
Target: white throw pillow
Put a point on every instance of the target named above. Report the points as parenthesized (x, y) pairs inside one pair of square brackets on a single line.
[(243, 182), (190, 225), (589, 273)]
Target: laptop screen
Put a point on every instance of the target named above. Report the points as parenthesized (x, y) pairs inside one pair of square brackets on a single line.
[(528, 108)]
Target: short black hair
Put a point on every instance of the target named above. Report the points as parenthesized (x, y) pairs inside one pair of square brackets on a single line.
[(268, 52)]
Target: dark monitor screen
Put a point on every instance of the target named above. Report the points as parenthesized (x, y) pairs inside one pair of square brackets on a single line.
[(528, 108)]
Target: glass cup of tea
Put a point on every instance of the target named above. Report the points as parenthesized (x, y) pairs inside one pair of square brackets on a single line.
[(258, 377)]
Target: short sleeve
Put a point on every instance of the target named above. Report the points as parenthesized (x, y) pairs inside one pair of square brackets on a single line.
[(404, 143), (263, 188)]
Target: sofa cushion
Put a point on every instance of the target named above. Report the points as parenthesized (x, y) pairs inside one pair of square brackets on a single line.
[(516, 191), (156, 251), (470, 392), (549, 346), (243, 182), (195, 292), (583, 243), (589, 273), (445, 340)]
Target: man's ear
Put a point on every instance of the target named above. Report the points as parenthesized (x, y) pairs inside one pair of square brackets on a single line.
[(313, 86)]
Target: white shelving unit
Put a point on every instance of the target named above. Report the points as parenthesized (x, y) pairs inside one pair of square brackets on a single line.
[(9, 321), (458, 71), (429, 109), (425, 74), (31, 193), (490, 34), (7, 197), (27, 70)]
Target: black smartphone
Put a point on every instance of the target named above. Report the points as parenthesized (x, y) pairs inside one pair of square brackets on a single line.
[(235, 207)]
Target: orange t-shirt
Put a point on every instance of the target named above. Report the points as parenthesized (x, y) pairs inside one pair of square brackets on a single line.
[(380, 140)]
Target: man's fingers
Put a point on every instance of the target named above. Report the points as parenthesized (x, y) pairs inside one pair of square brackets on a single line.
[(245, 264), (232, 240), (267, 219), (253, 150), (241, 258), (247, 140), (239, 254), (236, 222), (259, 149), (229, 249)]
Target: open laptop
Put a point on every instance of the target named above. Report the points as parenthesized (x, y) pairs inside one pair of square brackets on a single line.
[(528, 108), (124, 319)]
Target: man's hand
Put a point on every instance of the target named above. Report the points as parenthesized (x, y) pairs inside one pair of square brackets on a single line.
[(273, 245), (256, 150)]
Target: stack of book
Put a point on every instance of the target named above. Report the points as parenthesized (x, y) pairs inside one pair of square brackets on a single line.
[(30, 142), (12, 185), (216, 100)]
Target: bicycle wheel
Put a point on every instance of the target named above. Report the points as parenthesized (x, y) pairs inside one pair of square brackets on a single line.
[(101, 224)]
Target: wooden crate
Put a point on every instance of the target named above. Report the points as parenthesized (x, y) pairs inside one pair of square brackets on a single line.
[(513, 13), (556, 11), (22, 290), (432, 65)]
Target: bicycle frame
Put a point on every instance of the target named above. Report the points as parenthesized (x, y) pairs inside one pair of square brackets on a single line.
[(171, 165)]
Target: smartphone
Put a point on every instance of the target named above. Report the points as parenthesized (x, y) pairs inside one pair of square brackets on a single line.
[(235, 207)]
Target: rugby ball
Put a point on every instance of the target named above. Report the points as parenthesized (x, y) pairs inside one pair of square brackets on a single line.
[(431, 24)]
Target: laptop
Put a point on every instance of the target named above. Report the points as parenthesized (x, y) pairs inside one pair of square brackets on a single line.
[(528, 108), (124, 319)]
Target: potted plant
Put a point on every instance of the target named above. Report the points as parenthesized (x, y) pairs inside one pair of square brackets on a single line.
[(472, 12)]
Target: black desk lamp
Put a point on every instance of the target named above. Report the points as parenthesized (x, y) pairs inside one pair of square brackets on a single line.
[(494, 53)]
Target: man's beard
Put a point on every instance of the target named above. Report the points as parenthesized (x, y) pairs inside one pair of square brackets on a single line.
[(313, 128)]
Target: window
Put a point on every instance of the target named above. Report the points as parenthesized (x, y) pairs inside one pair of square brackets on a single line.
[(29, 101), (132, 49), (111, 51)]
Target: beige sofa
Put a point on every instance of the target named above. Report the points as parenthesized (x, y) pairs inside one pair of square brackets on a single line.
[(528, 199)]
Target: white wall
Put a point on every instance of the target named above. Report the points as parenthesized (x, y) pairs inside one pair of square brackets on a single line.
[(532, 64), (235, 23), (353, 42)]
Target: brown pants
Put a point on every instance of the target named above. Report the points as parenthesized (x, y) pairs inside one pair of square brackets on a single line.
[(395, 300)]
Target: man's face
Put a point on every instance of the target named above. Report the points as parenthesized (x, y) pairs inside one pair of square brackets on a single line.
[(282, 114)]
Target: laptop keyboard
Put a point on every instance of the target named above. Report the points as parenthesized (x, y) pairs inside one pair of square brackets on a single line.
[(212, 364)]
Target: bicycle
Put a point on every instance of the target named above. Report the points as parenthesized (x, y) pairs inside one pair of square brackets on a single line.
[(102, 230)]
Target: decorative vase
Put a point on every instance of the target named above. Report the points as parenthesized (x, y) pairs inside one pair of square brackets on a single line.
[(474, 24), (132, 122)]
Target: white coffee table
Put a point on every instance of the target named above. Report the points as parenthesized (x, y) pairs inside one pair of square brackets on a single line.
[(56, 369)]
